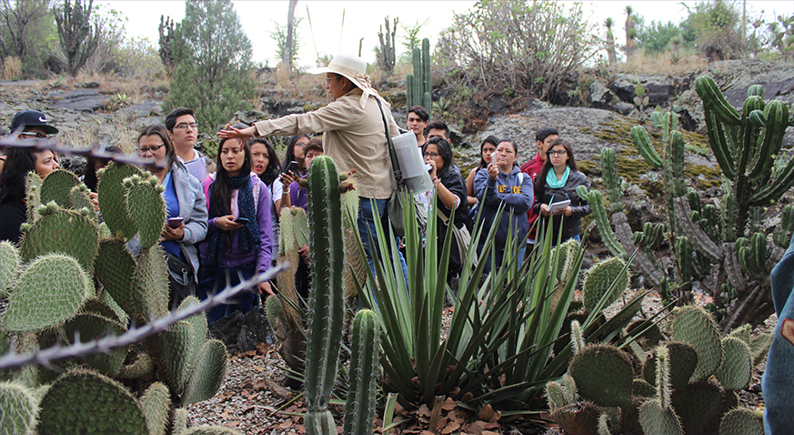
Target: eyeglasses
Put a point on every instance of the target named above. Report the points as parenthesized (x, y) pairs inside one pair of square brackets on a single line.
[(185, 125), (433, 155), (300, 144), (558, 152), (31, 135), (144, 150)]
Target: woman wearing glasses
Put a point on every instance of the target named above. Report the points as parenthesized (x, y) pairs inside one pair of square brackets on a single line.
[(184, 198), (503, 183), (451, 193), (557, 183)]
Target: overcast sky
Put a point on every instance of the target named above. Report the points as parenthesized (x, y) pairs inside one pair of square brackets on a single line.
[(337, 26)]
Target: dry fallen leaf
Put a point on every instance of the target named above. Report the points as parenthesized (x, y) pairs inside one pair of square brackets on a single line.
[(449, 404)]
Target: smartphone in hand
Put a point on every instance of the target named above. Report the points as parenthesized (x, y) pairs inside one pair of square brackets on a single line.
[(241, 220), (291, 167), (175, 222)]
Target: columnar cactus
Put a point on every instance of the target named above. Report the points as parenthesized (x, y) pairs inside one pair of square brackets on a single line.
[(364, 367), (326, 302), (418, 83)]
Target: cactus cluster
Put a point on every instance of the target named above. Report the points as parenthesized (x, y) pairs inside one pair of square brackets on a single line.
[(387, 50), (684, 386), (418, 84), (725, 244), (68, 282)]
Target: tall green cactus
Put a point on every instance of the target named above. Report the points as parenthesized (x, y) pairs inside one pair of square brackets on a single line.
[(418, 84), (362, 394), (326, 302)]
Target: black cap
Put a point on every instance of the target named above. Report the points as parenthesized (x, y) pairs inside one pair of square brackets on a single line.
[(31, 118)]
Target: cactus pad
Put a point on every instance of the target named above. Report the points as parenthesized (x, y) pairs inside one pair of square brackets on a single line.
[(115, 270), (64, 231), (177, 355), (683, 360), (141, 368), (697, 404), (51, 290), (209, 372), (656, 420), (600, 278), (57, 186), (9, 266), (86, 402), (146, 207), (80, 199), (19, 409), (91, 327), (112, 199), (155, 404), (150, 288), (694, 326), (736, 369), (555, 396), (603, 374), (742, 422), (641, 388), (648, 339), (759, 347), (198, 322)]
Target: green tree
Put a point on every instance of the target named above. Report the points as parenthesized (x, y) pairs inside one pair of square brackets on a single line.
[(213, 58), (717, 24), (281, 36), (411, 40), (26, 32)]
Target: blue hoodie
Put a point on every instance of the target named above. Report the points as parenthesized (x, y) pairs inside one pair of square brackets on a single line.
[(516, 191)]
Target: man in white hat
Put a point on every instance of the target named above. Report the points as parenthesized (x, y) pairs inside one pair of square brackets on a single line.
[(353, 135)]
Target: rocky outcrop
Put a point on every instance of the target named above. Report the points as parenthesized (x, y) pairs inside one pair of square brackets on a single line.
[(81, 100)]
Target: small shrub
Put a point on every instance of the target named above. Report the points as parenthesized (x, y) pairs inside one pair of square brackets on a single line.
[(12, 68)]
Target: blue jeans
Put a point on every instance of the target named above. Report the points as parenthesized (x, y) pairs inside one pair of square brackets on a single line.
[(778, 380), (500, 252), (215, 280), (366, 226)]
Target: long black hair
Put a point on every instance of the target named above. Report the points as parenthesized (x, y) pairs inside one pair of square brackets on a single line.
[(444, 149), (272, 171), (541, 180), (19, 161), (221, 187), (493, 140), (291, 151), (89, 172)]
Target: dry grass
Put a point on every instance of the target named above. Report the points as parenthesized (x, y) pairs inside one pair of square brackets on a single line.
[(118, 131), (667, 63), (12, 68)]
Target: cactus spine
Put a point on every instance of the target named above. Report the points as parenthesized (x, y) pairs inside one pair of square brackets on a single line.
[(418, 84), (362, 394)]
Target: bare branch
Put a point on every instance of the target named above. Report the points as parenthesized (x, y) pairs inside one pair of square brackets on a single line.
[(106, 344)]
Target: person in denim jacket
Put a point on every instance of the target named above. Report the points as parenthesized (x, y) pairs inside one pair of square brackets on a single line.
[(504, 183), (778, 381)]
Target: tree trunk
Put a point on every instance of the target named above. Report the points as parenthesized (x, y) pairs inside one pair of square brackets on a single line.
[(290, 33)]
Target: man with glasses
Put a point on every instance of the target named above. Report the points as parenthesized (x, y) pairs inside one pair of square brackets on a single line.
[(183, 130), (29, 124)]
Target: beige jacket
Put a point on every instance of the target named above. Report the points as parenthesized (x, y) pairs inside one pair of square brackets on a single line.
[(352, 135)]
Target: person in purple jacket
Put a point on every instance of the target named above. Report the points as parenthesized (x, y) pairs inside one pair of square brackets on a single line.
[(239, 237)]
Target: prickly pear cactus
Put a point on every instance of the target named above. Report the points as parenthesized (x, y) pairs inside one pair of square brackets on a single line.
[(63, 231), (155, 405), (20, 409), (112, 199), (50, 290), (742, 422), (146, 207), (85, 402), (587, 368), (736, 370), (694, 326), (57, 187), (10, 263), (607, 276)]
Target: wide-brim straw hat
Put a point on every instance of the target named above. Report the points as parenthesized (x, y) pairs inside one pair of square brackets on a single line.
[(352, 68)]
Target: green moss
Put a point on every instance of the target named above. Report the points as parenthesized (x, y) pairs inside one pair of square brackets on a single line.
[(588, 168), (631, 167), (616, 131), (704, 177)]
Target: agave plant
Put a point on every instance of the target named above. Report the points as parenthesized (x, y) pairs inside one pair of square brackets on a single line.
[(499, 347)]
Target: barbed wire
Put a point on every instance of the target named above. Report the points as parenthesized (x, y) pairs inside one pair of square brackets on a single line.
[(44, 357), (97, 151)]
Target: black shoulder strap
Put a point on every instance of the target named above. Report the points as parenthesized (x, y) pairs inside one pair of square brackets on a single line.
[(398, 175)]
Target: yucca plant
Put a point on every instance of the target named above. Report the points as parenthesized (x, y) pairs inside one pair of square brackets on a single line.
[(498, 346)]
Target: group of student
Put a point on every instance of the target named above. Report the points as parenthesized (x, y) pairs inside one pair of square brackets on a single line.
[(543, 187), (222, 223), (221, 214)]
